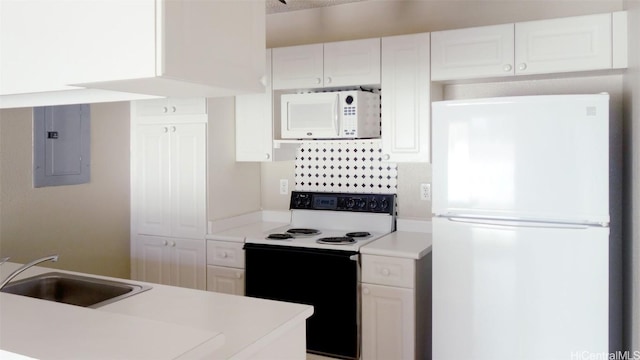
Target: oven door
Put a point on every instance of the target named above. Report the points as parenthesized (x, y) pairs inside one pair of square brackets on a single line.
[(326, 279), (310, 116)]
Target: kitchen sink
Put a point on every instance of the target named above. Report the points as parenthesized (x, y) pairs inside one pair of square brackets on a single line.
[(73, 289)]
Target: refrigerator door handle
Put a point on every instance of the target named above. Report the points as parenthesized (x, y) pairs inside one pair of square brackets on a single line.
[(520, 223)]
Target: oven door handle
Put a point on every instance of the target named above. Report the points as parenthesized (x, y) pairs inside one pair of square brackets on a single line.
[(355, 257)]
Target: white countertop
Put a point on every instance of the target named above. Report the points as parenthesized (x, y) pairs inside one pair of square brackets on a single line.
[(238, 234), (405, 244), (162, 323)]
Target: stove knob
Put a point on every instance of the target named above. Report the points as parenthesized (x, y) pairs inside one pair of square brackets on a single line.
[(351, 203), (384, 204), (307, 202), (373, 204), (362, 203)]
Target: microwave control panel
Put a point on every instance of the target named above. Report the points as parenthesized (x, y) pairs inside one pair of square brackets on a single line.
[(360, 114)]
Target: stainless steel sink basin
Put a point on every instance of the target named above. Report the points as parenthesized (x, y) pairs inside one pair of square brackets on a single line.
[(73, 289)]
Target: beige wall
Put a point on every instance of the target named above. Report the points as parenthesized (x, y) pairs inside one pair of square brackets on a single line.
[(87, 224), (233, 187)]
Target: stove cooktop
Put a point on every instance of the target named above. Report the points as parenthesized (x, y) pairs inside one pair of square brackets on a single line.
[(323, 239), (339, 221)]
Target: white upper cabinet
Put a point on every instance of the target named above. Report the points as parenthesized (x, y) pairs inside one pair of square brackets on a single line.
[(474, 52), (337, 64), (348, 63), (406, 98), (581, 43), (255, 130), (174, 48), (563, 45), (298, 67)]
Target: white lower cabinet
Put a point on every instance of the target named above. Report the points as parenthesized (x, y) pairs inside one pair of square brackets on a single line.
[(225, 267), (396, 308), (388, 322), (170, 261), (225, 280)]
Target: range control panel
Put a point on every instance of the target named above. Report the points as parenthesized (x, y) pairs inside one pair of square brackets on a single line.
[(372, 203)]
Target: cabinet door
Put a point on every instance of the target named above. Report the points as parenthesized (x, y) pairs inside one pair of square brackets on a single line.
[(152, 180), (352, 63), (188, 180), (188, 263), (297, 67), (388, 323), (485, 51), (152, 259), (560, 45), (405, 98), (225, 280), (254, 123)]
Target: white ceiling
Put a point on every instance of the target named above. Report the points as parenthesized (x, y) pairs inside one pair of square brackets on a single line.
[(275, 6)]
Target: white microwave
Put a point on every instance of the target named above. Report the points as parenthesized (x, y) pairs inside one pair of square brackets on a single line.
[(330, 115)]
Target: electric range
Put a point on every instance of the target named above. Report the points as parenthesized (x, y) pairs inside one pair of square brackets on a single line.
[(315, 260)]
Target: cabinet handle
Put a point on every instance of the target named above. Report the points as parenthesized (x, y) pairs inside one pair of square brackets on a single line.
[(173, 244), (173, 109), (263, 80), (165, 129), (386, 272), (507, 68), (238, 275), (386, 157), (267, 156), (165, 109), (318, 81), (173, 129), (328, 81), (366, 291), (224, 255), (522, 66), (165, 243)]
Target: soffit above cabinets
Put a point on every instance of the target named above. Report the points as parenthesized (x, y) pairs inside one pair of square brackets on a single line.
[(276, 6), (72, 52)]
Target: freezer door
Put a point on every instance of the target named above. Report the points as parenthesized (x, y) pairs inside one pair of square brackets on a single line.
[(508, 292), (534, 157)]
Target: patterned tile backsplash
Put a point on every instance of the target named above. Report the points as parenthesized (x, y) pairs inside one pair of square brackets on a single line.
[(344, 166)]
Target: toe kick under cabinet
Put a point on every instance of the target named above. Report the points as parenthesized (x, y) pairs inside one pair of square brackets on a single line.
[(396, 308)]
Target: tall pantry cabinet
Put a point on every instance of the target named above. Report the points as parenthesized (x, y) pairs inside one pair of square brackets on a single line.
[(168, 191)]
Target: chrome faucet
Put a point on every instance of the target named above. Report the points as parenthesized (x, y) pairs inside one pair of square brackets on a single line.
[(24, 267)]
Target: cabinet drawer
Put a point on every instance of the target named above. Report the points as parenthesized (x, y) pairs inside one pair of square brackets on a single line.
[(388, 271), (225, 253), (158, 107)]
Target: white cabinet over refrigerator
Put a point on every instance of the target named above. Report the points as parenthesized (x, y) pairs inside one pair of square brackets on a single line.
[(521, 227)]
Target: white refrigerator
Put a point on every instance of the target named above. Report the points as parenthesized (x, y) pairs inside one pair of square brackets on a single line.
[(521, 228)]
